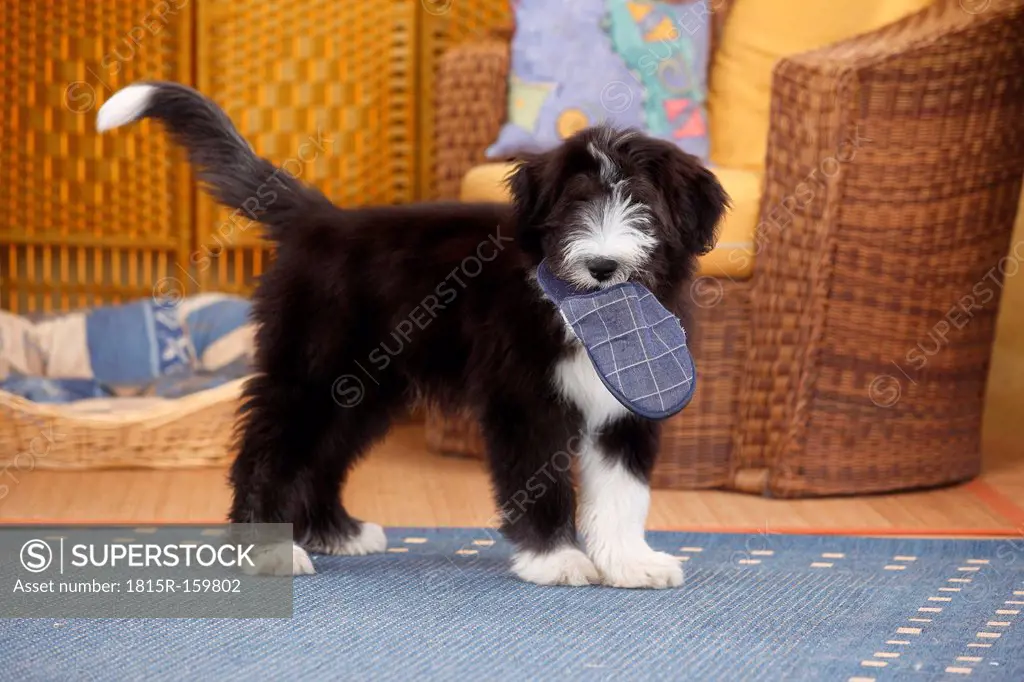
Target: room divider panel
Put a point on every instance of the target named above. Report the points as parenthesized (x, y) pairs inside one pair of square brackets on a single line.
[(86, 218), (337, 93), (325, 89)]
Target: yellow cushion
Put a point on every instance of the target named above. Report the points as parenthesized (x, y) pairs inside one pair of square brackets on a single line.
[(733, 255), (486, 183), (757, 34)]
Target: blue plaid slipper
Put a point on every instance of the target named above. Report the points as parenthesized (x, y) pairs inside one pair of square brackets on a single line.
[(637, 346)]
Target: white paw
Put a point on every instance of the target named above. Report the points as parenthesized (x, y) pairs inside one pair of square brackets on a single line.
[(565, 566), (279, 560), (301, 563), (369, 540), (647, 569)]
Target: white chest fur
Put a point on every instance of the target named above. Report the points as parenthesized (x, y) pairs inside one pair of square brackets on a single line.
[(578, 382)]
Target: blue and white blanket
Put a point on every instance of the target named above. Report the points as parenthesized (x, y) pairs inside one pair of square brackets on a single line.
[(143, 348)]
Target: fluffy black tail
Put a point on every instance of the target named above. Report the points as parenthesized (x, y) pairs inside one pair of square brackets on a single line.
[(223, 160)]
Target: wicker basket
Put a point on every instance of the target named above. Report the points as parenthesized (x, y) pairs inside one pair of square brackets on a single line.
[(196, 430)]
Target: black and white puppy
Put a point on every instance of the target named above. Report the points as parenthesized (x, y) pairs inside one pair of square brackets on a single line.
[(365, 310)]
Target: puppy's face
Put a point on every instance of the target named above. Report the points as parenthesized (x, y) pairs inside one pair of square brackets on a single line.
[(609, 206)]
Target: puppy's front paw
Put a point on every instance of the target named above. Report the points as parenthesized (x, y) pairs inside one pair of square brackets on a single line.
[(647, 569), (565, 566), (280, 559)]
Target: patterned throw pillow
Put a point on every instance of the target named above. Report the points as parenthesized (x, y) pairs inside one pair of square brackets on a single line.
[(116, 345), (220, 329), (666, 47), (629, 63)]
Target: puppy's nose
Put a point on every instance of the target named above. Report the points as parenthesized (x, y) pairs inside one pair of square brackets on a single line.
[(602, 268)]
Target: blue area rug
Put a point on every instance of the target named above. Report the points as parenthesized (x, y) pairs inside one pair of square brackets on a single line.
[(441, 604)]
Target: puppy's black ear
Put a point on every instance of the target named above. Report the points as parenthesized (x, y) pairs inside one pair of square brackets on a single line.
[(531, 202), (695, 199)]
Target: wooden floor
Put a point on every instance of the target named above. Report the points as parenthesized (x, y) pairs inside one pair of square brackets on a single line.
[(402, 484)]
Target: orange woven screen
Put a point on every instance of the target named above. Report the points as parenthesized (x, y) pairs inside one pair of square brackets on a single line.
[(322, 88), (86, 218), (446, 23), (339, 93)]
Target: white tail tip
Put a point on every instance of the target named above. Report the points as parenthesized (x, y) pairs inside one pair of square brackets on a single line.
[(127, 105)]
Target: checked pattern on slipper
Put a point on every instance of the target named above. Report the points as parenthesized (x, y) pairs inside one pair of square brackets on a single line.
[(637, 346)]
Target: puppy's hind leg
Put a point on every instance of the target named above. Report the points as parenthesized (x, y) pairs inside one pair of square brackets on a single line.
[(297, 444), (275, 446), (330, 528)]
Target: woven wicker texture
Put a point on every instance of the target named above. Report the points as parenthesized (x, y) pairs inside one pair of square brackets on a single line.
[(454, 133), (323, 89), (874, 308), (86, 218), (192, 431), (894, 168), (468, 122)]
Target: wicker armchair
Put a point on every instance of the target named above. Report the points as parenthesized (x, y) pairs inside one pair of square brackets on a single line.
[(855, 358)]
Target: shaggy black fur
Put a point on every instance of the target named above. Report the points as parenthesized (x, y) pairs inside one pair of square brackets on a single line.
[(364, 310)]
